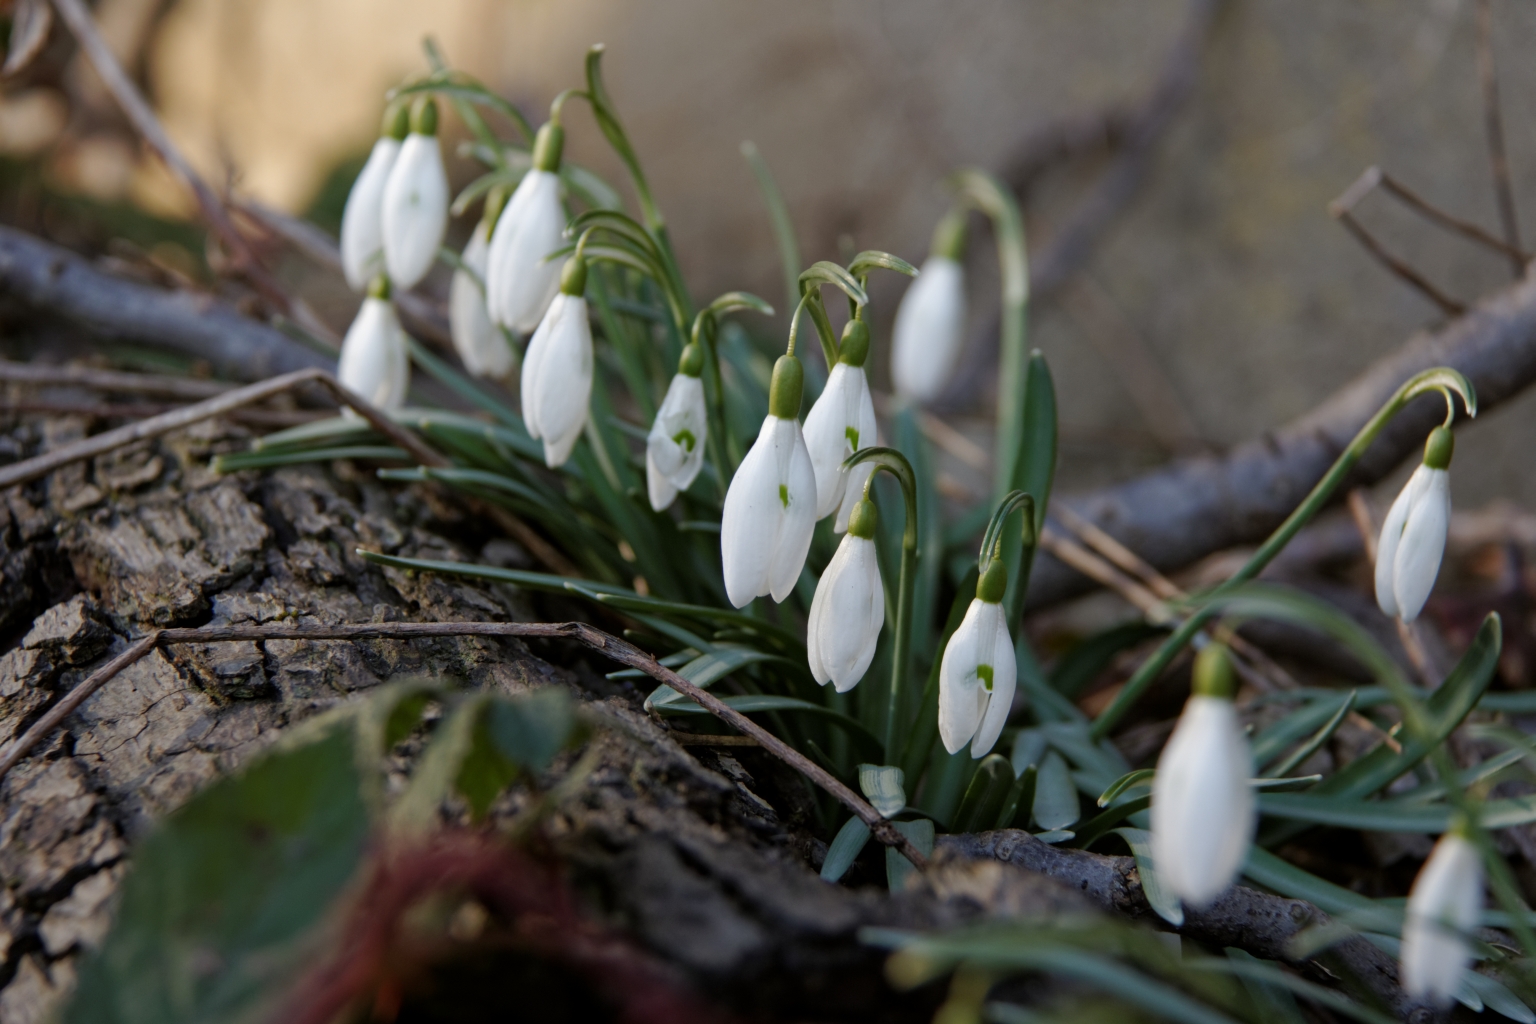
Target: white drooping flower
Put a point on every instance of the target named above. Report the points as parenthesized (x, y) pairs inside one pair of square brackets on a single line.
[(374, 362), (520, 281), (1444, 906), (674, 450), (479, 342), (1203, 810), (930, 322), (557, 369), (979, 672), (1413, 536), (362, 221), (770, 506), (840, 423), (415, 204), (849, 607)]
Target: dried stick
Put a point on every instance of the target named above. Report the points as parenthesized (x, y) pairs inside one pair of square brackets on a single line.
[(1342, 210), (108, 411), (1429, 211), (618, 650), (110, 380), (144, 121), (1493, 125)]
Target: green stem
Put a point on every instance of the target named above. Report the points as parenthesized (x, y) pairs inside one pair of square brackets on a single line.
[(1440, 379), (706, 336), (896, 464), (985, 193)]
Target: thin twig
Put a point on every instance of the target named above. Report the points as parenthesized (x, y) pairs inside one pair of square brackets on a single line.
[(1418, 281), (111, 380), (108, 411), (1493, 125), (618, 650), (1429, 211), (144, 121)]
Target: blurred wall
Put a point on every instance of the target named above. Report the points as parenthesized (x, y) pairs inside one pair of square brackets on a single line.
[(1227, 269)]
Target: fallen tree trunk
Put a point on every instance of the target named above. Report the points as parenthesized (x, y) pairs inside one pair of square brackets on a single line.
[(1192, 507)]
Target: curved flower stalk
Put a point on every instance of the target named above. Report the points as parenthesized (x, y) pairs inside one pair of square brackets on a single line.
[(520, 280), (979, 671), (415, 204), (674, 449), (770, 507), (1413, 536), (1444, 905), (930, 322), (848, 610), (362, 220), (479, 342), (839, 424), (557, 371), (374, 360), (1203, 810)]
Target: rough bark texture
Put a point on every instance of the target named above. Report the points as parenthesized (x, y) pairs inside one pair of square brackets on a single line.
[(702, 856)]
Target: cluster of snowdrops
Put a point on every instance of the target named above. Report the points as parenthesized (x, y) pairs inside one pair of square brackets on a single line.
[(523, 273)]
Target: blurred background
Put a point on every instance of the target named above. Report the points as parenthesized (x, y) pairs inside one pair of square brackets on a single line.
[(1218, 300)]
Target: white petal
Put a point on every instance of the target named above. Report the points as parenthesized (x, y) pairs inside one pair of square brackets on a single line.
[(1391, 536), (751, 519), (479, 342), (415, 210), (799, 523), (373, 359), (1202, 803), (520, 282), (846, 615), (1004, 681), (827, 426), (1445, 903), (557, 378), (659, 487), (853, 493), (962, 695), (362, 225), (929, 329), (1417, 560)]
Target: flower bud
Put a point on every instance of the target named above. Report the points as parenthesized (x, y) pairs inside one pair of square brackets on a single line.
[(374, 362), (481, 345), (414, 207), (1203, 810), (1413, 536), (674, 449), (520, 281), (1444, 905), (840, 423), (930, 322), (556, 383), (770, 506), (362, 220), (848, 610)]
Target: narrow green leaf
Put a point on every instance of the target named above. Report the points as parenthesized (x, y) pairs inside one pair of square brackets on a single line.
[(1164, 903), (237, 461), (779, 217), (753, 703), (1020, 801), (985, 796), (874, 259), (1033, 455), (845, 849), (714, 664), (1056, 804), (1139, 777)]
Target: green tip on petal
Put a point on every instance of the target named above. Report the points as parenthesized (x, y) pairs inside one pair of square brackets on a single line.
[(786, 389), (1213, 674), (863, 519), (424, 116), (1439, 448), (547, 147), (379, 287), (993, 583), (573, 279), (854, 348), (692, 362), (397, 121)]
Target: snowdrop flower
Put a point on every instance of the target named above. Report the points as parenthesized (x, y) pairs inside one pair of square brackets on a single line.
[(362, 221), (770, 507), (840, 423), (978, 673), (484, 350), (674, 451), (1203, 811), (557, 370), (1413, 537), (931, 318), (373, 361), (1443, 907), (849, 607), (520, 282), (415, 207)]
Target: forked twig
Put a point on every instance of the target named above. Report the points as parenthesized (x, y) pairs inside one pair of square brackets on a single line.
[(1342, 210), (605, 643)]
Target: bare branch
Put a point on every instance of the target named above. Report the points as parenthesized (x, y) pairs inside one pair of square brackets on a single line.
[(1493, 125)]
